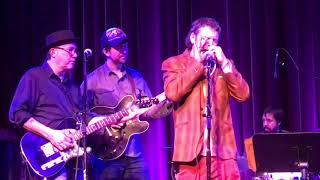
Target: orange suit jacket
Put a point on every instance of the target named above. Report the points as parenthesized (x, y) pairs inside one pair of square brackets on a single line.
[(184, 83)]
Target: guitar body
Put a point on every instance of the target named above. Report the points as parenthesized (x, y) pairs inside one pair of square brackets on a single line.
[(43, 158), (112, 142)]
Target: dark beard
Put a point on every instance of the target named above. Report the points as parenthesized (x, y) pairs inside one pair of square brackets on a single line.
[(275, 130)]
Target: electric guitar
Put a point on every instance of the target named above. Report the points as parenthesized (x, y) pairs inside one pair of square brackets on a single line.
[(46, 160), (112, 143)]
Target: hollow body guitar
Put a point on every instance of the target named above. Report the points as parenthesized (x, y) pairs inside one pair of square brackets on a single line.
[(111, 143)]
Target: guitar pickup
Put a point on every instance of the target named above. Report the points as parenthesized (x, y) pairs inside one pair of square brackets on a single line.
[(48, 149)]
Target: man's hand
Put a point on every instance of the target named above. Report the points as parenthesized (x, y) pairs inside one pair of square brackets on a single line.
[(62, 139), (216, 52), (134, 112), (117, 126)]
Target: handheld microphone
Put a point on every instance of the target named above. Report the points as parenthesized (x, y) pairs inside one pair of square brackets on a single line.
[(87, 52)]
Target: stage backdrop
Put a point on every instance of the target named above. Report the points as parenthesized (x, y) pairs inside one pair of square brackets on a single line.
[(253, 32)]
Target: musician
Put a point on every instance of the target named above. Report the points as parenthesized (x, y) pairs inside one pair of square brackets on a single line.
[(272, 119), (107, 85), (185, 84), (271, 122), (46, 98)]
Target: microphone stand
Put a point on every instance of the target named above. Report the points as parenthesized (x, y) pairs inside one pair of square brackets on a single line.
[(82, 125), (210, 67)]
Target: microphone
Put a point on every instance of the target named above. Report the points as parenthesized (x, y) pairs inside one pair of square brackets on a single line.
[(209, 61), (275, 73), (87, 52)]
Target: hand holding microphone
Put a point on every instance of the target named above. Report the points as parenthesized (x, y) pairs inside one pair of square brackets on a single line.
[(215, 54), (208, 60)]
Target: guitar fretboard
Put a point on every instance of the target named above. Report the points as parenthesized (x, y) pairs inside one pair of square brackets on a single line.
[(108, 120)]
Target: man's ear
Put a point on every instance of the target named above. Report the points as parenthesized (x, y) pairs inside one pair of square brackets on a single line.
[(106, 51), (52, 52), (192, 38)]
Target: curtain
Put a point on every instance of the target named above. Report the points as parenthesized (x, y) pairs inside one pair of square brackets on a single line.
[(264, 38)]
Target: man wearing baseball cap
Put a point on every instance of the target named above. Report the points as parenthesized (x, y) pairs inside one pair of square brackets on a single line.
[(107, 85), (46, 98)]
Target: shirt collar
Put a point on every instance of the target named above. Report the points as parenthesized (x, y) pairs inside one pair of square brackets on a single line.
[(50, 74), (108, 71), (47, 69)]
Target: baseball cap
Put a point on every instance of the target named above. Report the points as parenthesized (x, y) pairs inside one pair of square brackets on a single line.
[(113, 37)]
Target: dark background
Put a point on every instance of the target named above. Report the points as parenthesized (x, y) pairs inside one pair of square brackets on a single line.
[(252, 32)]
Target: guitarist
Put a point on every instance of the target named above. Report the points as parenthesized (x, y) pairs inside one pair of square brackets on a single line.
[(45, 96), (107, 85)]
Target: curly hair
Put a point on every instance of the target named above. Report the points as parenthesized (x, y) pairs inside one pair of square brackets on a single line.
[(199, 23)]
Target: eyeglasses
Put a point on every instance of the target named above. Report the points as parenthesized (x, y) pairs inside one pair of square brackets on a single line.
[(71, 51)]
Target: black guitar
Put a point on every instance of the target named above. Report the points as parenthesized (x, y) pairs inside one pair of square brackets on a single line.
[(112, 142), (46, 160)]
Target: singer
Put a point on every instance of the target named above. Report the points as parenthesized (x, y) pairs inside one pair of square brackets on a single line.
[(185, 83), (46, 98)]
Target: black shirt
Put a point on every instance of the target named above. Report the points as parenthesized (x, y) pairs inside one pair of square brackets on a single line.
[(42, 95)]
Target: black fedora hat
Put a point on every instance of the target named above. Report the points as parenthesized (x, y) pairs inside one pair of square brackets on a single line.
[(60, 37)]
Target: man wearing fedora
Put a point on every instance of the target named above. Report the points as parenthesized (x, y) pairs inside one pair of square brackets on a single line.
[(46, 98), (107, 85)]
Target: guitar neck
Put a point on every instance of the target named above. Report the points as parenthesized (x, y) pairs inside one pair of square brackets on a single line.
[(114, 118), (106, 121)]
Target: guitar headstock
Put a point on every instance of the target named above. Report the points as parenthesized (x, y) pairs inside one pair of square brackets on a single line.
[(145, 102)]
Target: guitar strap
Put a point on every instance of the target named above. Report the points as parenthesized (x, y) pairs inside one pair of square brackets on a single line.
[(133, 85), (65, 86)]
